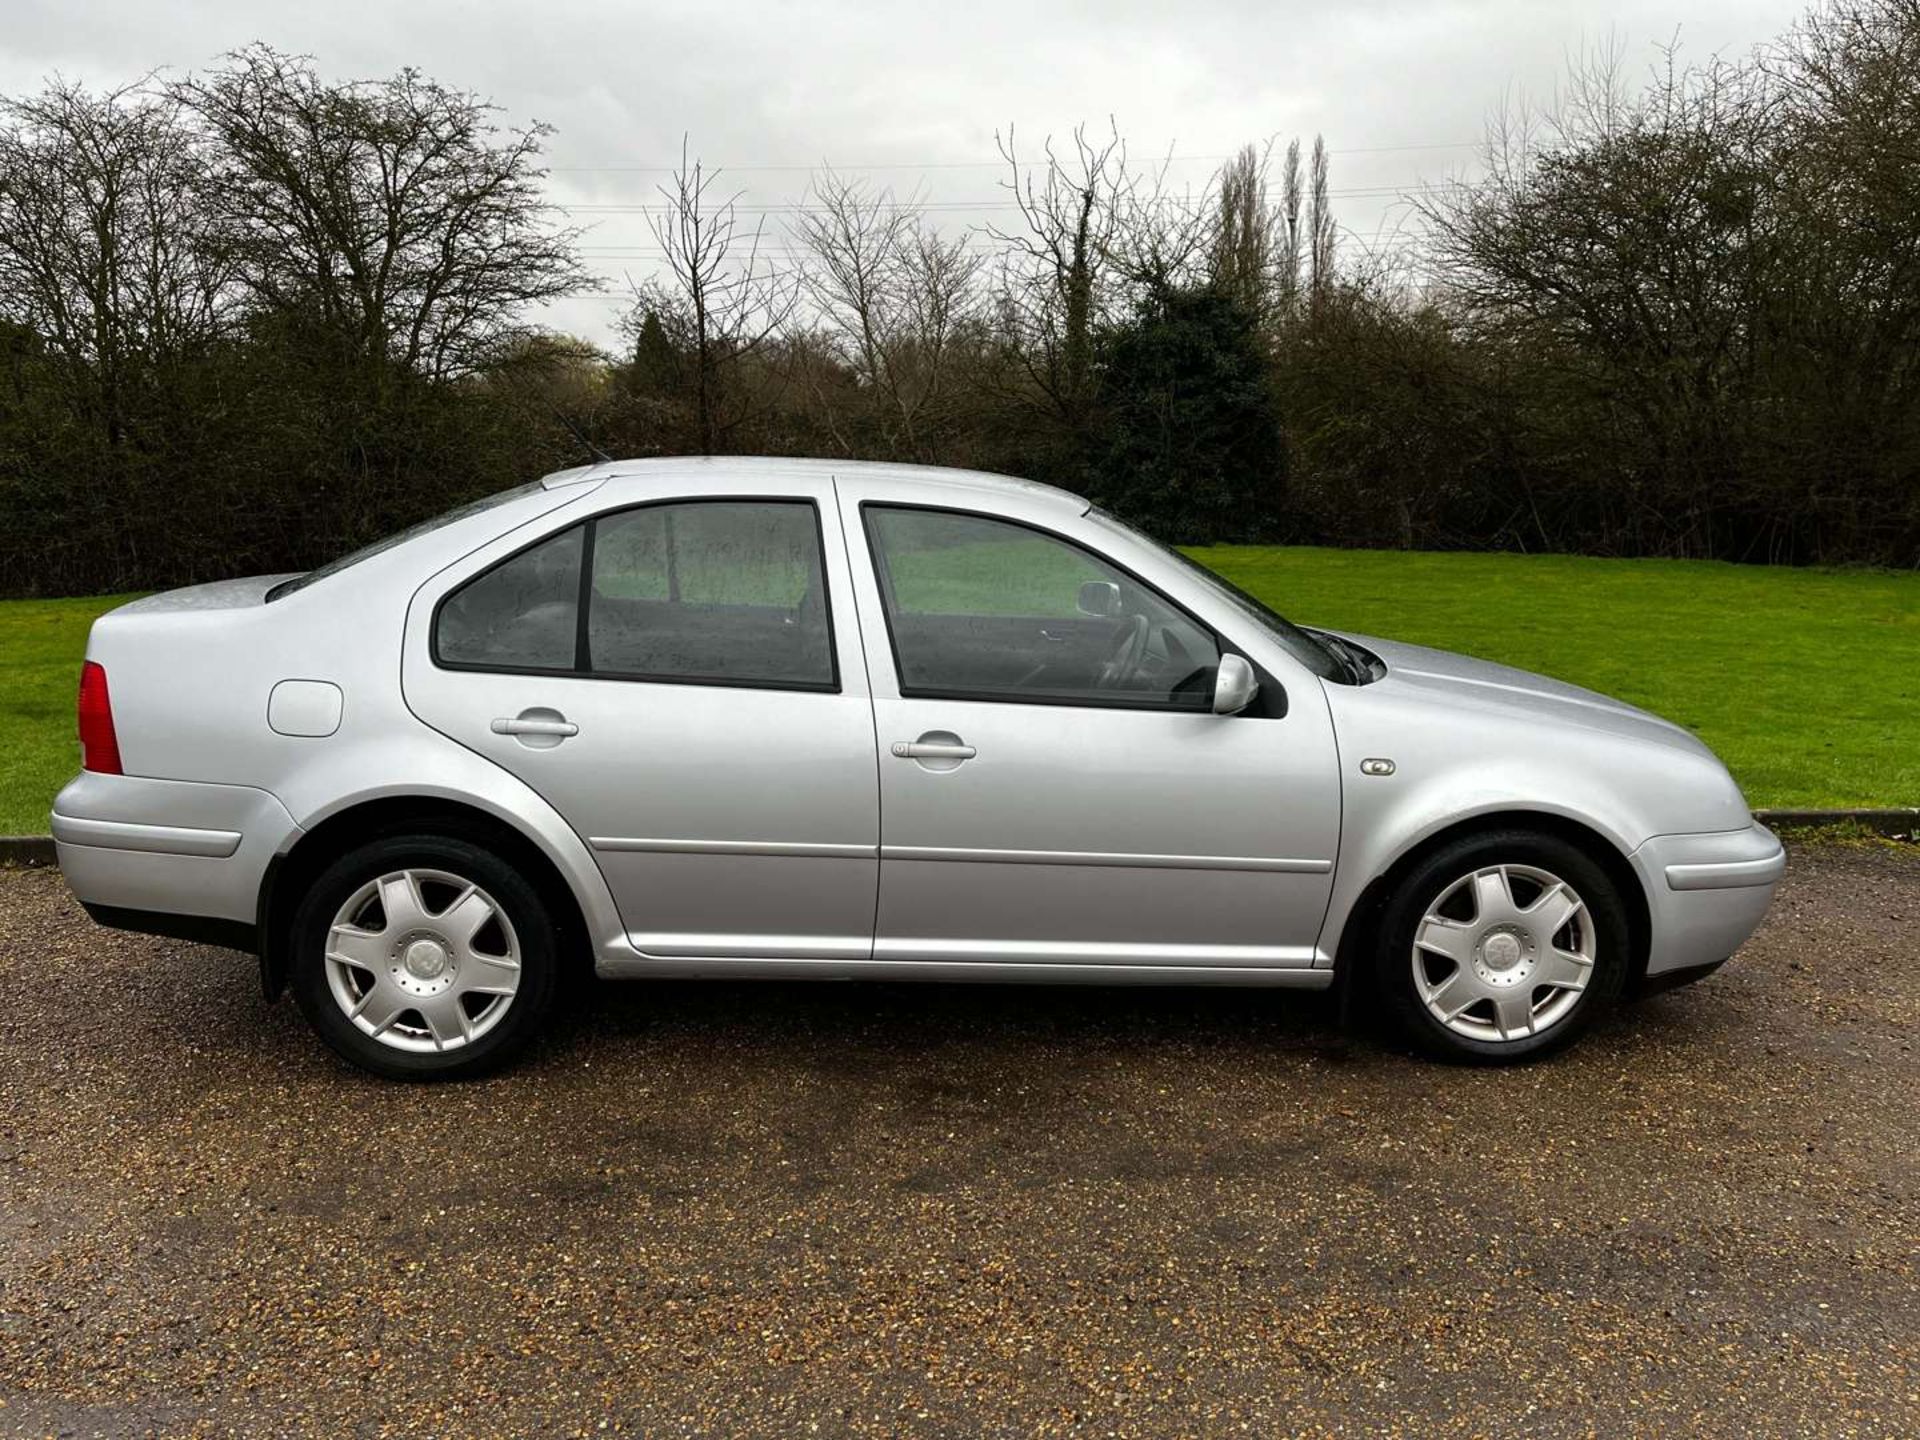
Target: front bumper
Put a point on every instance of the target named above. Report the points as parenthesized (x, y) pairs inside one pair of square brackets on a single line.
[(132, 847), (1706, 894)]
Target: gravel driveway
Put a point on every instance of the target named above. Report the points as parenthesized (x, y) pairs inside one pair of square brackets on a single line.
[(844, 1209)]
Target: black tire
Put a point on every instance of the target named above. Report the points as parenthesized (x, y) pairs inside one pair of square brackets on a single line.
[(532, 928), (1431, 877)]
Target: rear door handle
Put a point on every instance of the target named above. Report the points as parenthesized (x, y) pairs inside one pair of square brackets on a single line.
[(521, 726), (932, 750)]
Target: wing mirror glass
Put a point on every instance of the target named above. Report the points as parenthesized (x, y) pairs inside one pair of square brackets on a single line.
[(1098, 598), (1234, 685)]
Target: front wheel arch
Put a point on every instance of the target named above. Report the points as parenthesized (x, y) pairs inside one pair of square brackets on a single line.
[(1359, 938), (293, 872)]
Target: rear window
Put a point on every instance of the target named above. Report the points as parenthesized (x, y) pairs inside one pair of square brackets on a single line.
[(412, 532), (723, 592), (709, 592)]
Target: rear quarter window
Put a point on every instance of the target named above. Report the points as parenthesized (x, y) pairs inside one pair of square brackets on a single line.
[(523, 614)]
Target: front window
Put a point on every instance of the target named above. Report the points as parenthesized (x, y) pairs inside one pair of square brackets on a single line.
[(1310, 652), (986, 609)]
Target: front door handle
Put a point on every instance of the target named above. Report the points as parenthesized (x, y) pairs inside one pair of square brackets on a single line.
[(934, 747), (933, 750)]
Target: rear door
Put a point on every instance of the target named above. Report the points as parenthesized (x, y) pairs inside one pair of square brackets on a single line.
[(681, 680)]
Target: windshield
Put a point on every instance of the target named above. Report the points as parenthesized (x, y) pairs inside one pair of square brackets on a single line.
[(400, 537), (1310, 651)]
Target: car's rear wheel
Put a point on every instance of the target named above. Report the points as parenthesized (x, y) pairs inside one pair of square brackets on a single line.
[(1502, 946), (423, 957)]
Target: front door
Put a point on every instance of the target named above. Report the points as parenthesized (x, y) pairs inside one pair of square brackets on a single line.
[(1054, 787), (682, 681)]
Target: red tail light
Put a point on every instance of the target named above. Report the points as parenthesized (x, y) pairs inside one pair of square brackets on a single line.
[(99, 747)]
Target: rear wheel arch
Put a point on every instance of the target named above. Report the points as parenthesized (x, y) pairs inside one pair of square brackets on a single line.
[(1360, 936), (293, 872)]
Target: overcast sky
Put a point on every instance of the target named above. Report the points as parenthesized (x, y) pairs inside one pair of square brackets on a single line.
[(912, 94)]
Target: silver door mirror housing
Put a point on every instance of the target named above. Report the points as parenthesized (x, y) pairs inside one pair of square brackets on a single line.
[(1234, 685), (1098, 598)]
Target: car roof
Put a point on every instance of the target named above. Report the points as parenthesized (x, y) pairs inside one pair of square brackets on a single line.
[(933, 477)]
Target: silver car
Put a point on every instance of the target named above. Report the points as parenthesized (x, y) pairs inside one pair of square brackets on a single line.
[(728, 718)]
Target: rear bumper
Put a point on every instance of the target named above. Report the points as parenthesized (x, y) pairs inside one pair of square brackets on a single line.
[(1706, 894), (173, 857)]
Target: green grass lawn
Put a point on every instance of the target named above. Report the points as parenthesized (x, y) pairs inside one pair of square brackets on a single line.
[(41, 645), (1807, 682)]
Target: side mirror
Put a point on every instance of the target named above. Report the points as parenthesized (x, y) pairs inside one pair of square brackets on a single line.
[(1234, 685), (1098, 598)]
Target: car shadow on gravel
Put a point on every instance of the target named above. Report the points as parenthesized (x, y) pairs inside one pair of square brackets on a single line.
[(923, 1017), (855, 1025)]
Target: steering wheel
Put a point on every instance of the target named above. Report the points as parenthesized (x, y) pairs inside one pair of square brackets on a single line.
[(1127, 653)]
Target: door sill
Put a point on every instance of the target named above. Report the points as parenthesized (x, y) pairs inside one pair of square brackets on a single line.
[(1076, 953), (631, 965)]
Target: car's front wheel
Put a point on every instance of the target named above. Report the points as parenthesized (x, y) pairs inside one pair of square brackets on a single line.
[(423, 957), (1502, 946)]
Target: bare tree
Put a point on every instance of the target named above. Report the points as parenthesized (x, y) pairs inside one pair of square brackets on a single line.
[(941, 286), (1635, 259), (394, 213), (1320, 226), (108, 250), (1054, 264), (1244, 234), (891, 297), (1162, 237), (722, 299), (1852, 149), (1291, 235), (856, 239)]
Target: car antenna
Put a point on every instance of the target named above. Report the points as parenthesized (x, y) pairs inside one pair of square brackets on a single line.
[(600, 456)]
